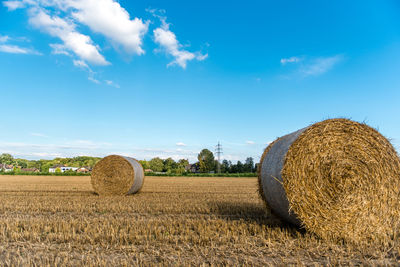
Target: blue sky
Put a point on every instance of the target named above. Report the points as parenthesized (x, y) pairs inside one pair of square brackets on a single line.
[(168, 78)]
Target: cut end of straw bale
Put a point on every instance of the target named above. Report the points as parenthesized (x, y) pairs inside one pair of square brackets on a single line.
[(342, 182), (116, 175)]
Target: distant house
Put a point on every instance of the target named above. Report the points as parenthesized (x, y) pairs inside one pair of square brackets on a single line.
[(148, 170), (6, 168), (30, 170), (194, 168), (62, 168), (84, 170)]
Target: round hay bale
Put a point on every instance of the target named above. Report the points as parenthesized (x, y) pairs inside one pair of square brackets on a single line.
[(338, 178), (117, 175)]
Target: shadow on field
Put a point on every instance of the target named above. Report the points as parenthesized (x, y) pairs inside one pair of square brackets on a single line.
[(250, 212), (244, 211)]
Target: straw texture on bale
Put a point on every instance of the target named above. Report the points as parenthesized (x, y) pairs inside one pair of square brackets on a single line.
[(117, 175), (338, 178)]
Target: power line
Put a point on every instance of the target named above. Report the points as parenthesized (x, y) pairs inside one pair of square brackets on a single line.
[(218, 151)]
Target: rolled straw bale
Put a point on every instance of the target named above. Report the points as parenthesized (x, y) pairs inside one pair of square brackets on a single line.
[(117, 175), (338, 178)]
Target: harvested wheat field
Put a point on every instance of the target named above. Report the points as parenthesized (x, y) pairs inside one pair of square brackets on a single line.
[(48, 220)]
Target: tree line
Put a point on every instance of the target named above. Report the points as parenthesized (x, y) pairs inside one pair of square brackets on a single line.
[(206, 164), (43, 165)]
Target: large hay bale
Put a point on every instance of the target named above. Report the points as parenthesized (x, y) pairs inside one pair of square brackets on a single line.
[(117, 175), (337, 178)]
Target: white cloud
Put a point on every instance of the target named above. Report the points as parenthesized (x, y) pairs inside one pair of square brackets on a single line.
[(13, 5), (38, 134), (176, 154), (5, 47), (80, 44), (320, 65), (306, 66), (66, 149), (13, 49), (91, 74), (59, 49), (180, 144), (62, 18), (80, 63), (290, 60), (4, 39), (92, 79), (168, 41), (113, 21), (250, 142), (111, 83), (106, 17)]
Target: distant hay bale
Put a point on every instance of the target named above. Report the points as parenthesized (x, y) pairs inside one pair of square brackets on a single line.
[(117, 175), (337, 178)]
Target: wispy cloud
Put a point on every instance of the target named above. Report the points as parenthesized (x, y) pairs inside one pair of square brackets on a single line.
[(38, 135), (66, 149), (320, 65), (250, 142), (308, 66), (180, 144), (168, 42), (13, 5), (4, 38), (13, 49), (290, 60), (6, 47), (59, 49), (112, 83), (175, 154), (91, 74), (80, 64), (93, 79)]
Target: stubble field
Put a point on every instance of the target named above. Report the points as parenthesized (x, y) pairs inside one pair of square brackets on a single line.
[(47, 220)]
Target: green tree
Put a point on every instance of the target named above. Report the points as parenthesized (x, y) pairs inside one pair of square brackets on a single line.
[(225, 166), (169, 165), (183, 163), (45, 166), (90, 163), (145, 164), (34, 164), (206, 160), (6, 159), (249, 165), (156, 164), (239, 167), (23, 163)]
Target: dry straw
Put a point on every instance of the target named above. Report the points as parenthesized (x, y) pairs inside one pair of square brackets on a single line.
[(337, 178), (117, 175)]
